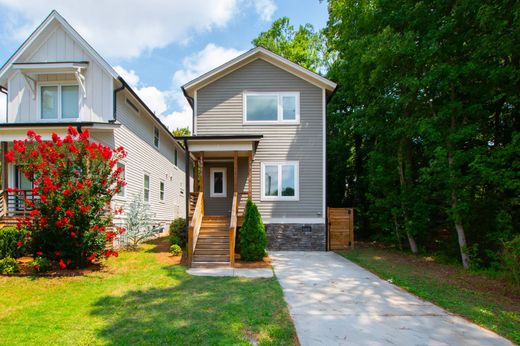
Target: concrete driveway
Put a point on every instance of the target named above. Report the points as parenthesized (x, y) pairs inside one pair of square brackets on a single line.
[(335, 302)]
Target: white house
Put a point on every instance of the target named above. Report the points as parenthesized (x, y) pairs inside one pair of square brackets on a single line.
[(56, 79)]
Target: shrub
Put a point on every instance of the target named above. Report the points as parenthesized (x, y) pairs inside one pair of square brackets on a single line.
[(139, 226), (8, 266), (41, 265), (178, 232), (252, 234), (12, 242), (176, 250), (74, 181), (511, 260)]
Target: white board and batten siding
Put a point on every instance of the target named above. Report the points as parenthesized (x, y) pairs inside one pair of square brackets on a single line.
[(59, 46), (219, 110), (136, 135)]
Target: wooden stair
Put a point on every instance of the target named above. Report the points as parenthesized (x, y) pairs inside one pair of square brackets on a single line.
[(212, 248), (8, 221)]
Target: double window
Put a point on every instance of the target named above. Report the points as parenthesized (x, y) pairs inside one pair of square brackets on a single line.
[(274, 108), (59, 102), (280, 181)]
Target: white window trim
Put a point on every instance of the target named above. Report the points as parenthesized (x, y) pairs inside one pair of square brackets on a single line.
[(117, 196), (149, 187), (59, 85), (223, 170), (280, 119), (158, 146), (296, 196), (161, 181)]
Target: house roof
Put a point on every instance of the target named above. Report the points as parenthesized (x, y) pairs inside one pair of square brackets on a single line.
[(249, 56)]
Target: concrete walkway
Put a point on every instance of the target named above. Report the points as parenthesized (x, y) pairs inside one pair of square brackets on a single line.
[(228, 271), (335, 302)]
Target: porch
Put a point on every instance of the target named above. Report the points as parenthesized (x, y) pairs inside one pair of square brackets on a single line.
[(222, 184)]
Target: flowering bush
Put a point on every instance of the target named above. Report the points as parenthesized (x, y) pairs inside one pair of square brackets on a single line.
[(74, 181)]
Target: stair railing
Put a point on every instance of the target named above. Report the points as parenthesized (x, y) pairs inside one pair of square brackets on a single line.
[(194, 226), (233, 229), (3, 203)]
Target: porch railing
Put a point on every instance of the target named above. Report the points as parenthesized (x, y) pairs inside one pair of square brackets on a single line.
[(13, 203), (233, 229), (192, 203), (194, 226)]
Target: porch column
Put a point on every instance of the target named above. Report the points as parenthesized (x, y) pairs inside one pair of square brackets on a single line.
[(196, 176), (235, 171), (201, 171), (250, 175), (5, 170)]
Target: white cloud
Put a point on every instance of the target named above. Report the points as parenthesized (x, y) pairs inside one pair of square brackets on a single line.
[(130, 77), (124, 28), (265, 9)]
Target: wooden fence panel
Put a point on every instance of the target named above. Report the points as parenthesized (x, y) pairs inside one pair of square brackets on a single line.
[(340, 228)]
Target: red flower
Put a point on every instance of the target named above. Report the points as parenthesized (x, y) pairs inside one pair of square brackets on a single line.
[(35, 212), (31, 134), (73, 234), (62, 264), (9, 156), (57, 253), (68, 212), (39, 253), (19, 244), (91, 257), (66, 192), (84, 135), (37, 267), (72, 131), (115, 254)]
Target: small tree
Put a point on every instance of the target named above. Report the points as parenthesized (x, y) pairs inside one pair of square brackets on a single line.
[(74, 181), (252, 234), (178, 232), (139, 226)]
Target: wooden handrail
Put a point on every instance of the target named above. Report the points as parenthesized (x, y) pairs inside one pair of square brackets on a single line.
[(3, 203), (194, 226), (233, 229), (13, 203)]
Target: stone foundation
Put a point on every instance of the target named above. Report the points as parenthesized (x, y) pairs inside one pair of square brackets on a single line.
[(296, 237)]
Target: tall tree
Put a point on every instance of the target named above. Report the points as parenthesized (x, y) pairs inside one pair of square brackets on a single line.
[(181, 131)]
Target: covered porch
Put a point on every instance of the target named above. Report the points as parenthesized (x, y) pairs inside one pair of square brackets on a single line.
[(222, 184)]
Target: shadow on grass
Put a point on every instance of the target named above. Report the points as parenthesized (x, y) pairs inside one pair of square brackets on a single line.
[(196, 310)]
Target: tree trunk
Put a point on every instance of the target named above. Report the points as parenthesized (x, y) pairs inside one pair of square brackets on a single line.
[(413, 245), (404, 187)]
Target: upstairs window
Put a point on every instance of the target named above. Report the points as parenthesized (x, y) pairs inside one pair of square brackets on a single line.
[(156, 137), (263, 107), (59, 102)]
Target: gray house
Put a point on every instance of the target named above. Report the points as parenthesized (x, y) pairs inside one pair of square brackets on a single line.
[(259, 133)]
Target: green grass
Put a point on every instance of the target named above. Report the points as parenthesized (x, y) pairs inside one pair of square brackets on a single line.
[(482, 300), (137, 300)]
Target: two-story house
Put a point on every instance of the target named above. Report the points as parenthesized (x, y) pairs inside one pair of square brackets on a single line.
[(259, 132), (55, 79)]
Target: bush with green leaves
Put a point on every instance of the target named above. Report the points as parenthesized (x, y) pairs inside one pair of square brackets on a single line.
[(253, 239), (41, 265), (12, 242), (176, 250), (139, 225), (8, 266), (178, 232), (511, 260)]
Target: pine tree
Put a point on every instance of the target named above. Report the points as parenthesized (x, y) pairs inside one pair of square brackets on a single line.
[(252, 234)]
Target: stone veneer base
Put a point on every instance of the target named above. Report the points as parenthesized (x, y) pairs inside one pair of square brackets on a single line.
[(295, 237)]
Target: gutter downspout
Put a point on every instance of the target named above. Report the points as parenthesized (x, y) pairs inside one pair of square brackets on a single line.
[(4, 91), (187, 183), (115, 101)]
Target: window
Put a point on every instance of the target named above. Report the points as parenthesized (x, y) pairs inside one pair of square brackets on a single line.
[(282, 107), (156, 137), (161, 190), (176, 157), (122, 192), (59, 102), (146, 188), (280, 181), (218, 182)]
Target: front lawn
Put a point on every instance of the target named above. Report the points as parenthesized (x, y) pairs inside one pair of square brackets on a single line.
[(142, 298), (483, 300)]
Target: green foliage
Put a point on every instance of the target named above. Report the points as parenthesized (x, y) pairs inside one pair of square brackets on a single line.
[(511, 260), (181, 131), (253, 240), (12, 242), (304, 46), (8, 266), (178, 232), (41, 264), (138, 223), (176, 250)]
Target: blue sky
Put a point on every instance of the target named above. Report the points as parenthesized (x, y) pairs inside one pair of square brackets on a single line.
[(159, 45)]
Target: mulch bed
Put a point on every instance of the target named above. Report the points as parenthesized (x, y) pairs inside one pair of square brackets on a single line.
[(264, 263), (27, 270)]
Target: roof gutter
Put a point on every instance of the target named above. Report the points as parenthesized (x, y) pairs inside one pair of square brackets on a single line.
[(4, 91)]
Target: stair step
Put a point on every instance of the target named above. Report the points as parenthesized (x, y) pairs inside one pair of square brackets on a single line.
[(209, 264), (216, 247), (210, 258), (204, 252), (214, 234)]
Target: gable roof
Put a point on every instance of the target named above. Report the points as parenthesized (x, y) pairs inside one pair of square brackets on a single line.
[(54, 17), (249, 56)]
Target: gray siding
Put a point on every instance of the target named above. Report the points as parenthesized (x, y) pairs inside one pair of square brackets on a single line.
[(220, 111)]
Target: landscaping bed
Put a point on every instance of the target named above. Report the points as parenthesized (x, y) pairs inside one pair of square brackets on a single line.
[(489, 302), (143, 297)]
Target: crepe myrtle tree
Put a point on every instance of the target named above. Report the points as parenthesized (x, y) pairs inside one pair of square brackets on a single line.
[(74, 181)]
